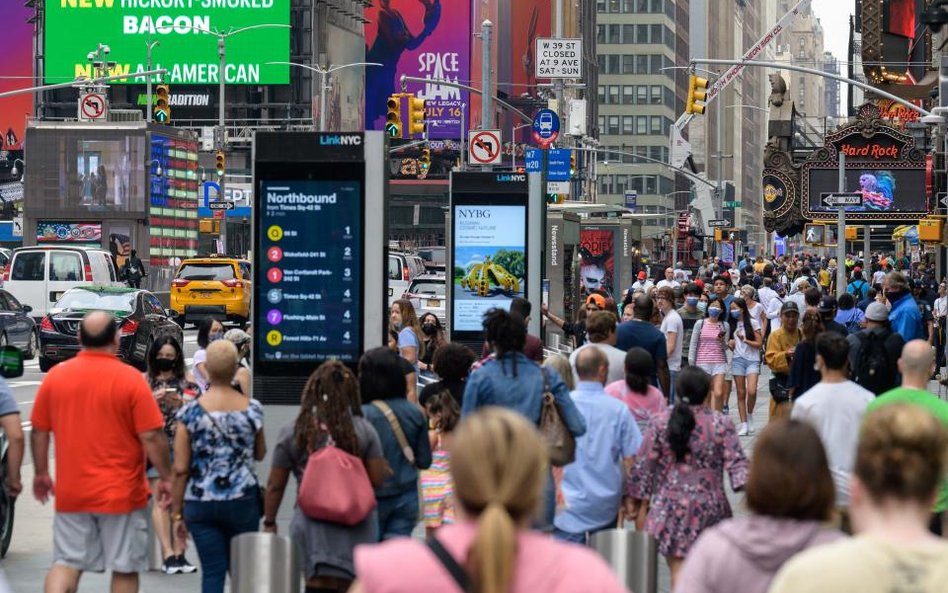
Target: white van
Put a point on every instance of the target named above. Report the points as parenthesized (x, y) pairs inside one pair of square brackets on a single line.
[(38, 276), (402, 268)]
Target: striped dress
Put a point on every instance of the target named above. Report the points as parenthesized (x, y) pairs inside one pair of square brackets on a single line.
[(437, 489)]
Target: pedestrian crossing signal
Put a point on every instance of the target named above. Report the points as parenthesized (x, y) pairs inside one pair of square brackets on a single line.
[(162, 109)]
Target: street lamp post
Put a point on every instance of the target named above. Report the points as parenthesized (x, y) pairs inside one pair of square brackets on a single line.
[(148, 110), (323, 78)]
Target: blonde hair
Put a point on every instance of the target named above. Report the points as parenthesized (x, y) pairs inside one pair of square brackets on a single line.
[(560, 364), (499, 466), (901, 454), (221, 364)]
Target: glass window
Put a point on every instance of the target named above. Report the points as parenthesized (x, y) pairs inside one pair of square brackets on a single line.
[(669, 98), (613, 34), (656, 94), (614, 94), (80, 298), (641, 94), (641, 6), (656, 6), (628, 64), (628, 124), (669, 38), (628, 33), (628, 6), (641, 64), (655, 64), (655, 152), (655, 34), (600, 33), (655, 124), (209, 271), (641, 33), (600, 5), (628, 94), (601, 61), (613, 125), (65, 267), (602, 95), (29, 266), (11, 302), (651, 184), (602, 122), (641, 125), (613, 5), (613, 64)]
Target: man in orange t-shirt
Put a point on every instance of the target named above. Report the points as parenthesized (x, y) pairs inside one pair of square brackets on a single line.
[(105, 420)]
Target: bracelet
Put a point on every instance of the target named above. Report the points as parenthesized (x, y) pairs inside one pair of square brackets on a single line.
[(269, 522), (177, 516)]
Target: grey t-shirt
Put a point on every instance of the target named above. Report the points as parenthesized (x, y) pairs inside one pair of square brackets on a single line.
[(8, 404), (286, 455)]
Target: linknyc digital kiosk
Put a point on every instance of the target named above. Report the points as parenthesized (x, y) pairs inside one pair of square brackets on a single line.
[(494, 248), (319, 249)]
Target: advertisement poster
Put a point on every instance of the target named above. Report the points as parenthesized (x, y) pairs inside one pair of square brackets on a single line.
[(424, 38), (530, 19), (882, 189), (75, 27), (597, 252), (490, 265), (68, 232), (16, 47)]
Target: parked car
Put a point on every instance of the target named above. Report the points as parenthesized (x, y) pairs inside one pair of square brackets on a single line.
[(434, 258), (38, 276), (402, 268), (427, 295), (17, 327), (138, 315), (212, 287)]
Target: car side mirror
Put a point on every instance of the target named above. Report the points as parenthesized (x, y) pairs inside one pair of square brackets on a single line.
[(11, 362), (27, 309), (171, 313)]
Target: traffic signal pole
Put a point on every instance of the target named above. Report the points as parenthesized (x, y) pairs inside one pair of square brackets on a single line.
[(487, 105), (148, 110)]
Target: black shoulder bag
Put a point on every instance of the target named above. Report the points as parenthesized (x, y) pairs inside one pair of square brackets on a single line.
[(456, 571)]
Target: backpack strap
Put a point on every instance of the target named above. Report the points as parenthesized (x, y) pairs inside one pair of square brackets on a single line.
[(456, 571), (397, 429)]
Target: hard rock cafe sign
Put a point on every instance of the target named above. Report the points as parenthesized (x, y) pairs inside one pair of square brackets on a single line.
[(894, 113)]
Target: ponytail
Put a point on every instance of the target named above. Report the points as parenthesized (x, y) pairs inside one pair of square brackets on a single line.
[(494, 551), (680, 426)]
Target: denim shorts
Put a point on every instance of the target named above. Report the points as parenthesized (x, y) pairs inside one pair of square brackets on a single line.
[(716, 368), (741, 367)]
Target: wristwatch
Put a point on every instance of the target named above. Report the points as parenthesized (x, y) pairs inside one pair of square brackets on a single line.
[(177, 516)]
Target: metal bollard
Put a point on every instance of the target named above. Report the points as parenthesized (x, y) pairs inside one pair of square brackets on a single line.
[(633, 556), (263, 563)]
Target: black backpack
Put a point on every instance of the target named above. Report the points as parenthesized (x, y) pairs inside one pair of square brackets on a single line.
[(874, 371)]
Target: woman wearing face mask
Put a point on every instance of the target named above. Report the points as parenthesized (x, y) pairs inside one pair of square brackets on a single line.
[(209, 330), (746, 342), (172, 387), (708, 349), (433, 333)]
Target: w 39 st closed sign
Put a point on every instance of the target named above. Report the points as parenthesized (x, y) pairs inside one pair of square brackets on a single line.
[(559, 58)]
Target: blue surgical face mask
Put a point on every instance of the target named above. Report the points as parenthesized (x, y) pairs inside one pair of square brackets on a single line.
[(702, 306), (215, 336), (736, 314), (692, 301), (714, 312)]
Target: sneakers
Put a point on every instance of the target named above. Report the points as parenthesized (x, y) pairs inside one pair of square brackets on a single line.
[(742, 431), (750, 424), (177, 565), (725, 409)]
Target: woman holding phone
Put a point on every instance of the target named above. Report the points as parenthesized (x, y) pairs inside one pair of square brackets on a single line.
[(172, 386)]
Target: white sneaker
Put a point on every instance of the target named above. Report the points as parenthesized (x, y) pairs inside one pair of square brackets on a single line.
[(742, 431), (750, 424)]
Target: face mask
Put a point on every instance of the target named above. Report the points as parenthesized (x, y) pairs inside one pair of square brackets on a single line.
[(702, 306), (429, 329), (735, 314), (893, 295), (214, 337), (714, 312), (692, 301), (164, 364)]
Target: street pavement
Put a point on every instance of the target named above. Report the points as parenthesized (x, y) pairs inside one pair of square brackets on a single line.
[(31, 551)]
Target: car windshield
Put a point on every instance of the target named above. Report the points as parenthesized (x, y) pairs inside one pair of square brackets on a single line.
[(206, 272), (436, 288), (106, 301)]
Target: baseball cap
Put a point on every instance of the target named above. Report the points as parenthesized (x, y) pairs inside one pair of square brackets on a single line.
[(700, 283), (876, 311), (642, 275), (597, 299), (789, 307), (827, 304)]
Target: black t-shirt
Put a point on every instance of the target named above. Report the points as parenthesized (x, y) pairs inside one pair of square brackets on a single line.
[(832, 326), (430, 390)]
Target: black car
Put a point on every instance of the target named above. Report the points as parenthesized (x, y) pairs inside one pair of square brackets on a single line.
[(138, 314), (17, 328)]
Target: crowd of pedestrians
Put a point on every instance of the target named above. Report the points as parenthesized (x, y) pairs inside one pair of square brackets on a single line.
[(847, 482)]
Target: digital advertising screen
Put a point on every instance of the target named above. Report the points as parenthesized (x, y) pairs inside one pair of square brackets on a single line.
[(73, 28), (427, 39), (16, 47), (309, 286), (173, 200), (597, 252), (489, 260), (884, 191)]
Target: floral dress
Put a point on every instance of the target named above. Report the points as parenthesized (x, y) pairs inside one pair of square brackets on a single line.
[(687, 497)]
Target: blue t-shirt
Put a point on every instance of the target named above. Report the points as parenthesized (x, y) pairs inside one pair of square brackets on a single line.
[(221, 463), (408, 339), (415, 426), (645, 335)]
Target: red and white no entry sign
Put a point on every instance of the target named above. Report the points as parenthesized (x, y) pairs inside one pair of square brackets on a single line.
[(484, 147), (92, 106)]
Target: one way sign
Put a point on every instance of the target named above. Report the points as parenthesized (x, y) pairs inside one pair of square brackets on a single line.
[(836, 200)]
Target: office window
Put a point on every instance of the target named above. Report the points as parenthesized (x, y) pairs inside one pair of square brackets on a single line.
[(614, 6), (655, 124), (601, 61), (628, 6), (641, 6), (641, 94), (600, 5), (641, 125), (622, 181), (628, 124), (602, 121), (656, 94), (613, 125), (613, 64), (641, 64), (651, 184), (670, 9), (655, 34), (665, 185), (600, 33), (669, 98), (656, 6), (655, 152), (656, 64), (628, 95), (628, 33), (612, 34), (641, 33), (602, 95), (614, 94), (669, 38), (628, 64)]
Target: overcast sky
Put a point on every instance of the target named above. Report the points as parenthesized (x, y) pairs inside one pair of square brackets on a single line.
[(834, 16)]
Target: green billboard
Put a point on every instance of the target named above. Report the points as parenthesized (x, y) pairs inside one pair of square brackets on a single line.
[(76, 27)]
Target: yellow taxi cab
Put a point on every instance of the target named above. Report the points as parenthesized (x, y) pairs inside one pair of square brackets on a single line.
[(216, 287)]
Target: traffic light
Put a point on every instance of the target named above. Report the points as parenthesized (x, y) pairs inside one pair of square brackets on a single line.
[(416, 116), (219, 163), (162, 104), (393, 119), (697, 93), (572, 163), (552, 198), (425, 161)]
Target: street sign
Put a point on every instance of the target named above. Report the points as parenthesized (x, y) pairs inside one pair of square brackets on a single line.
[(17, 226), (631, 199), (836, 200), (92, 107), (533, 159), (732, 204), (720, 222), (221, 205), (942, 198), (546, 127), (559, 58), (557, 164), (557, 187), (484, 147)]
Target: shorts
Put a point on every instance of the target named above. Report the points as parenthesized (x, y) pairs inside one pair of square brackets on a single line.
[(96, 542), (714, 368), (741, 367)]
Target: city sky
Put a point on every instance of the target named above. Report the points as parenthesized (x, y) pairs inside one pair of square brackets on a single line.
[(834, 16)]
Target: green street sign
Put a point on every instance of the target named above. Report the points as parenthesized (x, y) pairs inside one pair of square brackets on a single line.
[(732, 204)]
